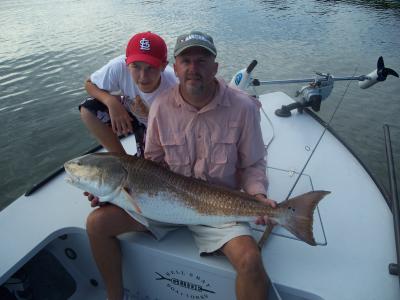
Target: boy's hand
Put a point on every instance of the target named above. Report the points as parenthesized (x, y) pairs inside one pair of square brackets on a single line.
[(121, 122), (94, 201)]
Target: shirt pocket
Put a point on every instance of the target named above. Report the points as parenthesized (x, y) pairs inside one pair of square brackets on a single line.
[(224, 144), (176, 149)]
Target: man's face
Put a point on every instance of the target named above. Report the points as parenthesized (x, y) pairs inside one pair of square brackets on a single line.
[(196, 69), (146, 76)]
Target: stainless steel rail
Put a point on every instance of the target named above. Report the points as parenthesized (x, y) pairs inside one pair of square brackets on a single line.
[(394, 268)]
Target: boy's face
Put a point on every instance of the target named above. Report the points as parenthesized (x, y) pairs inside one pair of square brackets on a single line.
[(146, 76)]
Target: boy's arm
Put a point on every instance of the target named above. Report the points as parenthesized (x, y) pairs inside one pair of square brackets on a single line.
[(121, 122)]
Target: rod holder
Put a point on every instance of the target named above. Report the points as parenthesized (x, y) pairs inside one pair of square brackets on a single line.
[(394, 269)]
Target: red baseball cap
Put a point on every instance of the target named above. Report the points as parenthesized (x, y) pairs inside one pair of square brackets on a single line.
[(147, 47)]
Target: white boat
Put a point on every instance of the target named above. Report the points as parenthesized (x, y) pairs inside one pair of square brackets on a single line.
[(45, 251)]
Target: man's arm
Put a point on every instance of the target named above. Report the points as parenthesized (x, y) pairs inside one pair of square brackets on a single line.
[(252, 152), (253, 177), (153, 148), (253, 165)]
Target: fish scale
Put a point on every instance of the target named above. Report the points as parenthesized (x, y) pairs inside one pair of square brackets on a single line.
[(206, 198)]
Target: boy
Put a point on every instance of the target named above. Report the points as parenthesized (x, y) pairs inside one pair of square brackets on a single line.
[(123, 90)]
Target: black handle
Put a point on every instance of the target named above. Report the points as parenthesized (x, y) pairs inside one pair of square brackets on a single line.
[(251, 66)]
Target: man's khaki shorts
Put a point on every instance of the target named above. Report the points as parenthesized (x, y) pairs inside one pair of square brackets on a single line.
[(207, 238)]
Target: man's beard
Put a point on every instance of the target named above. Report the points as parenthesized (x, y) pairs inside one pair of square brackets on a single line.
[(195, 89)]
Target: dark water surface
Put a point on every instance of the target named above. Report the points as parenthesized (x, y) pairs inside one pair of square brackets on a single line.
[(49, 47)]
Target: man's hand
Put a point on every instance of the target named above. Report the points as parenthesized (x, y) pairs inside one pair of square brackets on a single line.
[(121, 122), (264, 220), (94, 201)]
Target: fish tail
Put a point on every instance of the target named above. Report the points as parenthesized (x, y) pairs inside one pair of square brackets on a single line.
[(298, 215)]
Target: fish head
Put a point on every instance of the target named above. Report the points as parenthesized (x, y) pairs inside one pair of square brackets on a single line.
[(100, 174)]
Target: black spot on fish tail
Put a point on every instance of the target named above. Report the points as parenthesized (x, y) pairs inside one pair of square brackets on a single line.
[(298, 215)]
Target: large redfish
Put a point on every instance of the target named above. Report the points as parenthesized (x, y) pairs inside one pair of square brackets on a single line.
[(149, 190)]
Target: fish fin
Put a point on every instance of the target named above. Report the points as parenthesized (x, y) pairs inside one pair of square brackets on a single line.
[(132, 200), (298, 215), (264, 237)]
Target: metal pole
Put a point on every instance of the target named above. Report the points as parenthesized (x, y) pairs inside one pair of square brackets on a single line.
[(358, 78), (264, 82), (257, 82), (394, 268)]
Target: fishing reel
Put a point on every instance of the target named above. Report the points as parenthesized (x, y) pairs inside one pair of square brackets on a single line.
[(317, 89)]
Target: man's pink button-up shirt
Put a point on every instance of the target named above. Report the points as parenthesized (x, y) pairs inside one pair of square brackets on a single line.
[(221, 143)]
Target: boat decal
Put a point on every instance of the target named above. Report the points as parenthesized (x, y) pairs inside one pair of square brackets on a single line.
[(186, 284), (238, 78)]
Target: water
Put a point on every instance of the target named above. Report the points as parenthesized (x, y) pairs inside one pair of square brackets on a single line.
[(48, 48)]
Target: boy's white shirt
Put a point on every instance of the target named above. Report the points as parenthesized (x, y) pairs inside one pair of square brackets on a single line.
[(114, 77)]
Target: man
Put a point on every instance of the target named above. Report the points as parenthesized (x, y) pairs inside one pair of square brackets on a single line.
[(214, 135), (138, 77)]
